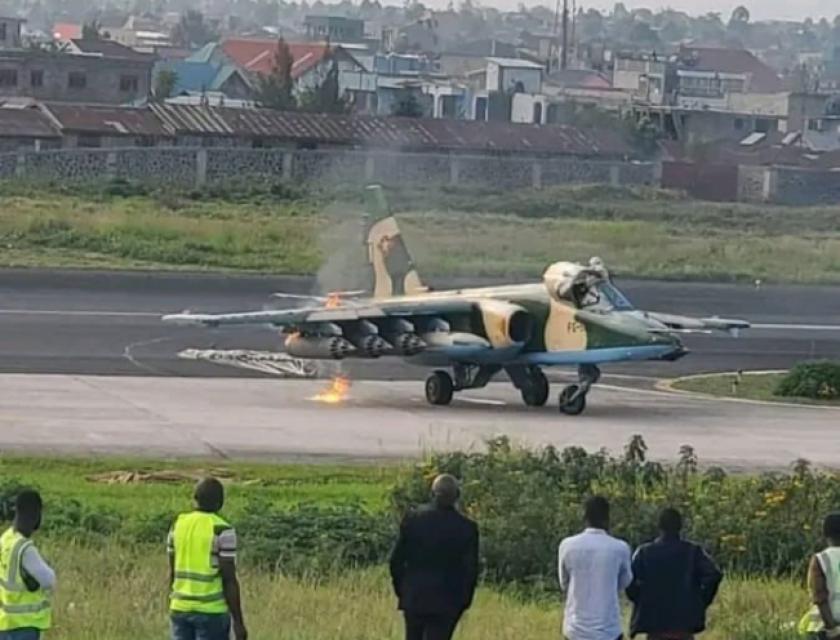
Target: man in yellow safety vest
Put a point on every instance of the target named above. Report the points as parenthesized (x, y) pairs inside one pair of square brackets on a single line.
[(823, 619), (25, 579), (202, 561)]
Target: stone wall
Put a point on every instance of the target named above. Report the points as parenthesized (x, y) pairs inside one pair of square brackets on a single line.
[(199, 166), (751, 183), (788, 185)]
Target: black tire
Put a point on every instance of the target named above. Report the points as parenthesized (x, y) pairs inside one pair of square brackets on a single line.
[(569, 406), (537, 392), (439, 388)]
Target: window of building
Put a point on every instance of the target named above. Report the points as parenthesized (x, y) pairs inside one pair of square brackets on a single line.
[(481, 108), (77, 80), (129, 83), (4, 30), (739, 124), (89, 141), (8, 77), (814, 124), (36, 78), (763, 125), (538, 113)]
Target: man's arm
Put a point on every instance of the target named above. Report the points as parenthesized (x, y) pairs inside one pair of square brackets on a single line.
[(170, 552), (471, 568), (226, 541), (708, 575), (819, 593), (562, 568), (398, 558), (233, 598), (625, 571), (37, 570), (635, 588)]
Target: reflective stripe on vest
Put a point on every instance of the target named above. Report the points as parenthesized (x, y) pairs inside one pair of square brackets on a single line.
[(197, 585), (829, 561), (19, 607)]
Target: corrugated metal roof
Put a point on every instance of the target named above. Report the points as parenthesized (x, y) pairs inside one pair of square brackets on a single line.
[(25, 123), (396, 133), (105, 120)]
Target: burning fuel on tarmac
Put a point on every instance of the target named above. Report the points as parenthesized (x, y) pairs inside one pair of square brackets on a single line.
[(336, 392)]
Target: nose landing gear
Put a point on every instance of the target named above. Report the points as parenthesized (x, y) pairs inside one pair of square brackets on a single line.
[(572, 399)]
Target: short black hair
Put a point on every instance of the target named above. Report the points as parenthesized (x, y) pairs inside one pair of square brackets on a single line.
[(831, 526), (670, 521), (28, 503), (210, 494), (596, 510)]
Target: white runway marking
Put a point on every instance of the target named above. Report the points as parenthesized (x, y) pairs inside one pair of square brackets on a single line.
[(798, 327), (485, 401), (75, 312)]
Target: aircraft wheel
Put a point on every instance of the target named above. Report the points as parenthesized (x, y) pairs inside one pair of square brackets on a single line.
[(536, 393), (569, 404), (439, 388)]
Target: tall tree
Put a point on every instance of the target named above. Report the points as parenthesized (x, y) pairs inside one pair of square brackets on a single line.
[(276, 90), (92, 30), (325, 97), (192, 31), (165, 84)]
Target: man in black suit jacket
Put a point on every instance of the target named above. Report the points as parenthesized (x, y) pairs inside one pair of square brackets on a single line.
[(674, 582), (434, 565)]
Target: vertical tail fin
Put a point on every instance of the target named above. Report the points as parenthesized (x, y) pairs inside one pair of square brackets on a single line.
[(393, 269)]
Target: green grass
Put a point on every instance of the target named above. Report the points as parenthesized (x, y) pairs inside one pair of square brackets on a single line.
[(118, 593), (82, 479), (639, 232), (752, 386), (113, 588)]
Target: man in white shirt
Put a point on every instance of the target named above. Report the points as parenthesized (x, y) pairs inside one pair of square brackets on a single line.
[(593, 568)]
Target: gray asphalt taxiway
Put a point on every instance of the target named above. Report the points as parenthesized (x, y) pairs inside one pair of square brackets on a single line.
[(86, 366), (154, 416)]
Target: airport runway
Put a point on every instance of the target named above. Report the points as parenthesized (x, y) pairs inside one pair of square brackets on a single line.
[(277, 419), (101, 323)]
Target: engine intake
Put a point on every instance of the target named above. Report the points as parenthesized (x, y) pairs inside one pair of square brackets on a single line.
[(506, 324)]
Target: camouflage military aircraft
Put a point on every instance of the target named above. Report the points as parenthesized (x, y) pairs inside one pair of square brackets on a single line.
[(575, 317)]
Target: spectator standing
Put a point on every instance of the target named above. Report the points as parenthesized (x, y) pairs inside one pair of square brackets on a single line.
[(434, 564), (202, 571), (26, 581), (674, 583), (823, 619), (593, 568)]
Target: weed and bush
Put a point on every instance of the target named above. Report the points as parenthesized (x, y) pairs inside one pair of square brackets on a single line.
[(528, 500), (815, 380)]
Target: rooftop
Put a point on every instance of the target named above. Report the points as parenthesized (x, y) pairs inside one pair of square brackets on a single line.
[(257, 54), (25, 123), (515, 63), (107, 49), (763, 79)]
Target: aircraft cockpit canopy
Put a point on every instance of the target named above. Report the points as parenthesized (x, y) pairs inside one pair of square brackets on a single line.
[(585, 286)]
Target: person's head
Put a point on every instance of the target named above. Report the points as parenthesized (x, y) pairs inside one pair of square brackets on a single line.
[(209, 495), (28, 508), (831, 528), (596, 512), (445, 490), (670, 522)]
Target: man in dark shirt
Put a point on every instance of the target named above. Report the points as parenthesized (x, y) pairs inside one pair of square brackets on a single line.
[(434, 565), (674, 582)]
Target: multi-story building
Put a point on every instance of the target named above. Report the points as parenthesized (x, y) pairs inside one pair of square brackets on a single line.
[(98, 71)]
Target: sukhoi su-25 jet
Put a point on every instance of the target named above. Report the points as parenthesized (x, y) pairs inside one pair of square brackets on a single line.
[(574, 317)]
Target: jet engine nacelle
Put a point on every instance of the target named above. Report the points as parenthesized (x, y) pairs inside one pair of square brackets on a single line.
[(506, 324), (319, 347)]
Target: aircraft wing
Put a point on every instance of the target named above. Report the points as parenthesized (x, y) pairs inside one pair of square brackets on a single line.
[(299, 318), (689, 324)]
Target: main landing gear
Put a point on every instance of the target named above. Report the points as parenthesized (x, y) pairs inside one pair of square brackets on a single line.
[(572, 399), (530, 380), (440, 386)]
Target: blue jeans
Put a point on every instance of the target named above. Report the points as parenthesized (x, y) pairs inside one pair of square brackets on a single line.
[(21, 634), (199, 626)]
